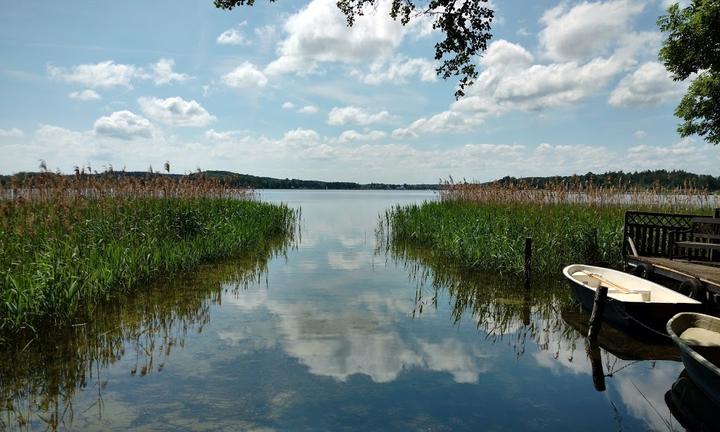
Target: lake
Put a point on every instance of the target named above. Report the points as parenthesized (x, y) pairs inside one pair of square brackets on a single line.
[(337, 332)]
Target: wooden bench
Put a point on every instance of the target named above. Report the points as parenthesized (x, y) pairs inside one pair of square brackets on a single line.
[(703, 236)]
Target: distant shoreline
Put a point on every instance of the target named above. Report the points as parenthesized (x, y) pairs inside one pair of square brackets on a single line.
[(651, 180)]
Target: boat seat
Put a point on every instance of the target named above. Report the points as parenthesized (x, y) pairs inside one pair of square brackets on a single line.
[(630, 297), (697, 336), (594, 283)]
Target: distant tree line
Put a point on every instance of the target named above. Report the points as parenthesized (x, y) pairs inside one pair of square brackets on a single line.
[(255, 182), (662, 179)]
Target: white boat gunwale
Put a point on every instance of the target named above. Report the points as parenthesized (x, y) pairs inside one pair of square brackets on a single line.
[(638, 290), (686, 346)]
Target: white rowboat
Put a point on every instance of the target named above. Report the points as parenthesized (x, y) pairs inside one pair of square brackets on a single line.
[(633, 303)]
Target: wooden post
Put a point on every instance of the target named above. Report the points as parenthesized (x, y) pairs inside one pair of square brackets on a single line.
[(597, 313), (528, 261), (717, 212), (526, 309), (598, 374)]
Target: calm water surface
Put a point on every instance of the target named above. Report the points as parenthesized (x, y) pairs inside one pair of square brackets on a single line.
[(336, 333)]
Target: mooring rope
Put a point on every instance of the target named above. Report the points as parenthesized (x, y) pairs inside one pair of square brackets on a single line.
[(610, 373), (645, 325)]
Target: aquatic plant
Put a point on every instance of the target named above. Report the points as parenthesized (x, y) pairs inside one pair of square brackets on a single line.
[(484, 226), (67, 242), (576, 191)]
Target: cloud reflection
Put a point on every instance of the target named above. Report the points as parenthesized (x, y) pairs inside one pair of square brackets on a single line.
[(454, 357), (349, 260)]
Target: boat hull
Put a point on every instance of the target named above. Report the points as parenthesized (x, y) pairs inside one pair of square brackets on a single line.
[(644, 318), (633, 317), (702, 372)]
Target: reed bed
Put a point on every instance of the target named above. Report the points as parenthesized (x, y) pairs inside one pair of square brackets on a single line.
[(48, 186), (583, 193), (484, 226), (67, 242)]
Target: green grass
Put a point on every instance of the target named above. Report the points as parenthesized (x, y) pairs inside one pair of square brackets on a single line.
[(491, 236), (59, 257)]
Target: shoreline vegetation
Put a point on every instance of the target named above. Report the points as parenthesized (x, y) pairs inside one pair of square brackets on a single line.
[(655, 179), (484, 226), (68, 243)]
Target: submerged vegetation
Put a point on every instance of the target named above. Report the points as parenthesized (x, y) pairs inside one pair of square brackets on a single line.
[(484, 226), (68, 242)]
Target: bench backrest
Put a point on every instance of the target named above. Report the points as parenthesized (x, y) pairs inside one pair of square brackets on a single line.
[(651, 232)]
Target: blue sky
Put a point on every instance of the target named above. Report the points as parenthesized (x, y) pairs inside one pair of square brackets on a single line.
[(286, 90)]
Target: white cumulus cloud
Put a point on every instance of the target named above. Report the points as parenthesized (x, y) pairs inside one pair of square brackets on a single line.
[(245, 76), (513, 80), (301, 135), (650, 84), (356, 115), (586, 29), (446, 121), (319, 33), (162, 72), (175, 111), (353, 135), (233, 36), (106, 74), (687, 154), (124, 125)]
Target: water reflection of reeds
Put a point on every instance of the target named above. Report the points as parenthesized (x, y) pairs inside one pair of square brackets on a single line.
[(502, 307), (546, 317), (40, 377)]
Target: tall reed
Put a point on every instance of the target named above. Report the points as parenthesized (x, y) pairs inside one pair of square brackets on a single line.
[(485, 225), (67, 241)]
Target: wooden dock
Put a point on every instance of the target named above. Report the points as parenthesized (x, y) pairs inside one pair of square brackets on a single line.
[(681, 270), (648, 247)]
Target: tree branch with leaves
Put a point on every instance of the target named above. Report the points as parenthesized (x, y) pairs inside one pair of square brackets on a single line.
[(692, 46)]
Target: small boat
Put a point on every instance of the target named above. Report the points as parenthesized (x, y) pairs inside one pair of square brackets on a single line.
[(698, 337), (633, 304)]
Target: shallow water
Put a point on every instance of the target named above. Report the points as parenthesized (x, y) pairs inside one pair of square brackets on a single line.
[(335, 333)]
